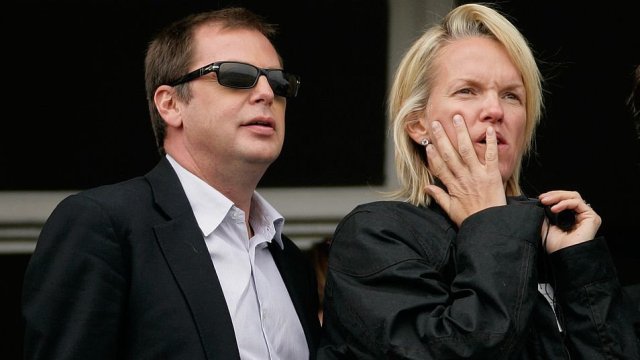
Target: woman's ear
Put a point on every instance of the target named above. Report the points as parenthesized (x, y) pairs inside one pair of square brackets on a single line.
[(167, 105), (417, 129)]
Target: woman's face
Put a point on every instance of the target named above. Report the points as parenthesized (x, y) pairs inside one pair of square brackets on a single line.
[(476, 79)]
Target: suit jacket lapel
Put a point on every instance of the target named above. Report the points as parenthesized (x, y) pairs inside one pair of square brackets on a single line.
[(186, 254), (295, 281)]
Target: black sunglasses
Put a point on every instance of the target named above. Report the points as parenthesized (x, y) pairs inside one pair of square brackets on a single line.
[(239, 75)]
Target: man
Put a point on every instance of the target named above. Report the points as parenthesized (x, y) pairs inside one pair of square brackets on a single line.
[(188, 261)]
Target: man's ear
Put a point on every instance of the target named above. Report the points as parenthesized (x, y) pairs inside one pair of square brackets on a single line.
[(167, 105), (417, 129)]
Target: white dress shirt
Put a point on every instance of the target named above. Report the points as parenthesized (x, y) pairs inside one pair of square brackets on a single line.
[(265, 322)]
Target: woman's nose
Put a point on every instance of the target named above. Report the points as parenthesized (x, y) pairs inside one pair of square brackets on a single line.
[(492, 108)]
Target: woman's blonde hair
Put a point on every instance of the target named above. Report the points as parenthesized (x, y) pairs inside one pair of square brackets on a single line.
[(413, 83)]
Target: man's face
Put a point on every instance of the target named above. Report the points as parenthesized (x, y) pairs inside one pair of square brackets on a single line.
[(233, 126)]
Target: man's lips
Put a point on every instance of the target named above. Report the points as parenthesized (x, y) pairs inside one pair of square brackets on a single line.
[(262, 126), (261, 122)]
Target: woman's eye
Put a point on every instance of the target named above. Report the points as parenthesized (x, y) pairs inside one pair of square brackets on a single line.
[(512, 96), (465, 91)]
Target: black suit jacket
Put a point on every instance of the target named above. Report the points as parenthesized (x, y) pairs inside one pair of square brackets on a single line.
[(122, 272)]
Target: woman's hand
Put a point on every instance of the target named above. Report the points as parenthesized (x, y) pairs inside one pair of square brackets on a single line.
[(470, 185), (586, 225)]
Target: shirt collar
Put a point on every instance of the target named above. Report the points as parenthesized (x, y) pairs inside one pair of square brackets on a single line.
[(261, 208), (210, 207)]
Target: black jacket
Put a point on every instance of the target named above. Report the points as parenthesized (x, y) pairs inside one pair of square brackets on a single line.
[(405, 283), (122, 272)]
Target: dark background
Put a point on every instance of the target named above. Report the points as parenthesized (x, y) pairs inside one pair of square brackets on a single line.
[(85, 120), (76, 86)]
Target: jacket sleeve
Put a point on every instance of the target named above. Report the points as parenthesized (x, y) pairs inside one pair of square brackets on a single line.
[(388, 295), (74, 286), (597, 314)]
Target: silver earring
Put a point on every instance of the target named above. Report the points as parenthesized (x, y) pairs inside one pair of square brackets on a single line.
[(424, 142)]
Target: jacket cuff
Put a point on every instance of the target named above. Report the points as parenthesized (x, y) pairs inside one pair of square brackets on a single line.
[(521, 221), (582, 264)]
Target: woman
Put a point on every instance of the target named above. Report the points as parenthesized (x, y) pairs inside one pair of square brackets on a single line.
[(462, 264)]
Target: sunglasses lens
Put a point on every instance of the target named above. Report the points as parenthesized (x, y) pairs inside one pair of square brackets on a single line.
[(245, 76), (283, 84), (236, 75)]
